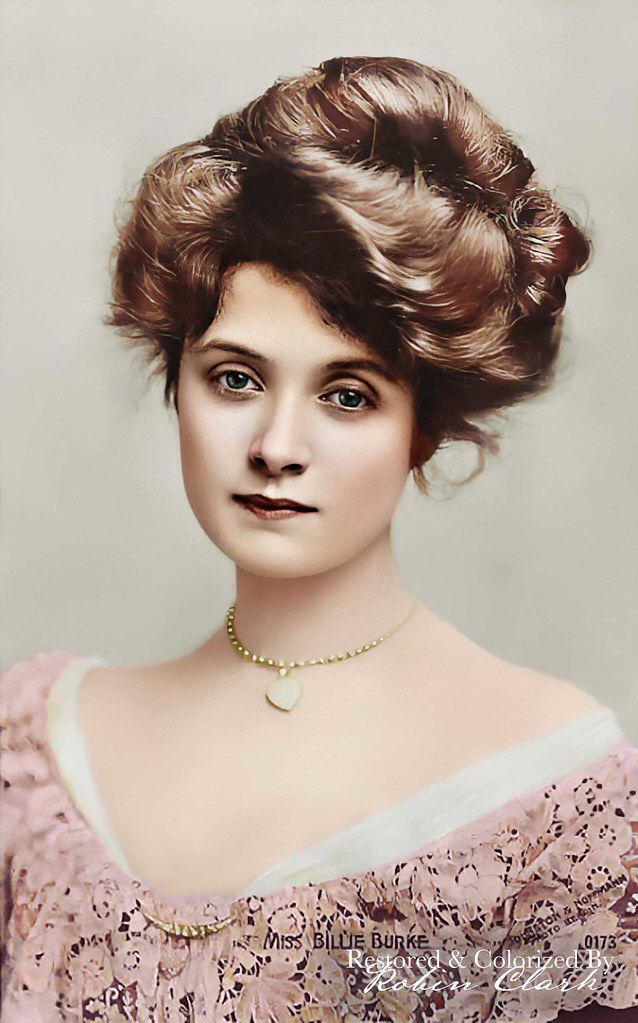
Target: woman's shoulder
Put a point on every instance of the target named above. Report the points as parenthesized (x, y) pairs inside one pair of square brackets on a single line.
[(545, 702), (39, 687), (520, 696), (555, 700), (25, 682), (30, 793)]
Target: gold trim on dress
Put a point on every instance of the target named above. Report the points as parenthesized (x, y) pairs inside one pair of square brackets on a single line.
[(183, 930)]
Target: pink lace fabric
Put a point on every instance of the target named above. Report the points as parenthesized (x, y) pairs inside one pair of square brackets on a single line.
[(552, 873)]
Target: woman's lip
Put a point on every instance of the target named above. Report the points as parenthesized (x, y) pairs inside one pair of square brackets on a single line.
[(263, 512)]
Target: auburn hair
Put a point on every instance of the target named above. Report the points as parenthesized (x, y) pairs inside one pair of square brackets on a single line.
[(412, 218)]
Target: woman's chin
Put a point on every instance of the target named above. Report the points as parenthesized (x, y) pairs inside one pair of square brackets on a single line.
[(278, 561)]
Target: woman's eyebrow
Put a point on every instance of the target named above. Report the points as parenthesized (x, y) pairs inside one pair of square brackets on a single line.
[(337, 364)]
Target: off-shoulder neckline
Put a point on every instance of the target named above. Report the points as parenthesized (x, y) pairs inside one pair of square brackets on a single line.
[(227, 902)]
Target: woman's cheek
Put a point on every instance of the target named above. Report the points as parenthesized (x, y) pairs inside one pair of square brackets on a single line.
[(375, 468), (201, 471)]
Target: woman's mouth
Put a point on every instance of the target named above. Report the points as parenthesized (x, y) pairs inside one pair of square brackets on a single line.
[(264, 508)]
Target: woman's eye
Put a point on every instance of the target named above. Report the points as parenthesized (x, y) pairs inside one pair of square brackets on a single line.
[(352, 399), (235, 380)]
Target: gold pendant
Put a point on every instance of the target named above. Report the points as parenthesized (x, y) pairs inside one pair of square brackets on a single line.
[(284, 691)]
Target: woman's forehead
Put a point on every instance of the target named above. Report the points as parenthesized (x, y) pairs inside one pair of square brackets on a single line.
[(268, 317)]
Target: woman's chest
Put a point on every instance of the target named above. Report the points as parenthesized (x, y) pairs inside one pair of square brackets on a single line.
[(210, 802), (192, 818)]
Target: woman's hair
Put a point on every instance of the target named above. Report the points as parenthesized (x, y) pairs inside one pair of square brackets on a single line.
[(411, 217)]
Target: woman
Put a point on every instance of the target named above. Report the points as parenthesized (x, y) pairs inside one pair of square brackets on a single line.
[(354, 270)]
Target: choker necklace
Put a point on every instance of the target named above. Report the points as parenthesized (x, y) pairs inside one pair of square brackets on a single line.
[(284, 691)]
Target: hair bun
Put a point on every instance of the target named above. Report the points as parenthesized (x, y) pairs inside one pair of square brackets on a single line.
[(548, 249), (454, 144)]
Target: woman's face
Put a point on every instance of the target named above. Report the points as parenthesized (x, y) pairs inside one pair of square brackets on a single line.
[(262, 411)]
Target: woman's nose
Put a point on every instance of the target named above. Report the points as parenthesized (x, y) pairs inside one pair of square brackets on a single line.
[(278, 444)]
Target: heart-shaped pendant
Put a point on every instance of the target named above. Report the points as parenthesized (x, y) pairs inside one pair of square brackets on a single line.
[(284, 691)]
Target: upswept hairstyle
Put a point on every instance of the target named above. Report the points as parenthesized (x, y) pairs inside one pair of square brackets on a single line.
[(412, 218)]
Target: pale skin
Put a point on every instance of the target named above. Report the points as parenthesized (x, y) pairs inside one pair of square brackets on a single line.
[(206, 785)]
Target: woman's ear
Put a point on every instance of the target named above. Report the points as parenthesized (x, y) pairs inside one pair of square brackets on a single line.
[(423, 447)]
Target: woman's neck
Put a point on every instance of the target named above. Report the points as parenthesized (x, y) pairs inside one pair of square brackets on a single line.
[(316, 616)]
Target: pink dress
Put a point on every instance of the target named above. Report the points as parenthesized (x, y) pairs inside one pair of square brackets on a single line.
[(530, 856)]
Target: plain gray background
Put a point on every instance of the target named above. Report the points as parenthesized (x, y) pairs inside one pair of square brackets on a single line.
[(535, 560)]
